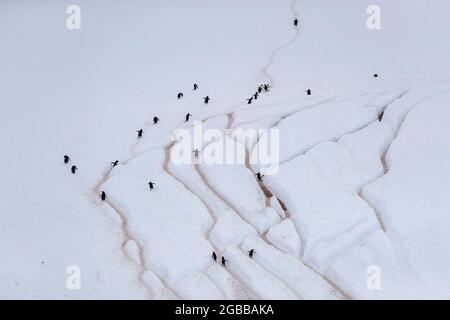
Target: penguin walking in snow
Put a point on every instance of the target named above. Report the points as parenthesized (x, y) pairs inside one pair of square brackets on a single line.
[(74, 169), (195, 86), (103, 196), (266, 87), (259, 176), (155, 120), (255, 96), (187, 117), (251, 253), (224, 261), (115, 163), (296, 22), (380, 116), (206, 99), (180, 95), (260, 89), (214, 256), (66, 159), (375, 75), (151, 185), (249, 101), (140, 132), (308, 92)]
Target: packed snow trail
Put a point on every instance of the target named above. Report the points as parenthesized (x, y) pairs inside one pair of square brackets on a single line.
[(167, 151)]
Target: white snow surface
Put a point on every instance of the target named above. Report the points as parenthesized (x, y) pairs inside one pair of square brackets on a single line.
[(364, 170)]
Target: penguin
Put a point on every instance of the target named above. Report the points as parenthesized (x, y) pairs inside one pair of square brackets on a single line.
[(308, 92), (115, 163), (187, 117), (66, 159), (259, 89), (255, 96), (151, 185), (103, 196), (380, 116), (155, 120), (295, 22), (206, 99), (214, 256), (140, 132), (74, 169), (251, 253), (180, 95), (195, 86), (250, 100), (375, 75)]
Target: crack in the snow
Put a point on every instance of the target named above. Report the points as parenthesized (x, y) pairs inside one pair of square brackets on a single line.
[(208, 208), (124, 222)]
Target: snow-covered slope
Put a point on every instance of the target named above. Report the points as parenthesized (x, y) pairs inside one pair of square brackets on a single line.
[(351, 192)]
